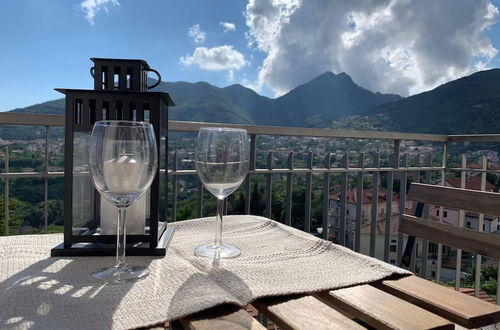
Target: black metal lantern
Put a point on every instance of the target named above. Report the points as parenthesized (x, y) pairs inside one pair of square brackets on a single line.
[(120, 93)]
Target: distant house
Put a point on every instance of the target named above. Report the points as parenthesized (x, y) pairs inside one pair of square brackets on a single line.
[(451, 216), (380, 238), (473, 169), (351, 210)]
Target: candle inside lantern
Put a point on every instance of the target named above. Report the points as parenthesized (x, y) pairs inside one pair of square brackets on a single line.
[(123, 176), (135, 217)]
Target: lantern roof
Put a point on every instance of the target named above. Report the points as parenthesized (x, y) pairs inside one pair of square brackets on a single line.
[(164, 95), (104, 59)]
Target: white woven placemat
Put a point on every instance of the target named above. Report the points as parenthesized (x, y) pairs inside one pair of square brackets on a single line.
[(39, 292)]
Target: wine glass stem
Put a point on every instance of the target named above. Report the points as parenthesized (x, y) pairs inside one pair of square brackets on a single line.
[(121, 234), (218, 228)]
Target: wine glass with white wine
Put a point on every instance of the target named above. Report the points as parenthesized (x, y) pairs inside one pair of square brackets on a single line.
[(222, 159)]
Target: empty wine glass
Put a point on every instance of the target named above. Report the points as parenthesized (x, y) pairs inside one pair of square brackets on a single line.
[(222, 158), (123, 161)]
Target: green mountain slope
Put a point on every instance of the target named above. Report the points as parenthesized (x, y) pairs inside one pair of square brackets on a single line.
[(50, 107), (327, 97), (465, 106), (204, 102), (468, 105)]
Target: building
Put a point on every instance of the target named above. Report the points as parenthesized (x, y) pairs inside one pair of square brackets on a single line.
[(379, 238), (471, 220), (366, 210)]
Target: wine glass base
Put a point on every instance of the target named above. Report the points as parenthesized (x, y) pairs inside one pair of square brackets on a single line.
[(223, 251), (121, 274)]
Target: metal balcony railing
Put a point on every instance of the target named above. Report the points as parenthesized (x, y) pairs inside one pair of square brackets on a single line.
[(349, 233)]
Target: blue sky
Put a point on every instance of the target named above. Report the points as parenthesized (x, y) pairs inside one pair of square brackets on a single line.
[(274, 46)]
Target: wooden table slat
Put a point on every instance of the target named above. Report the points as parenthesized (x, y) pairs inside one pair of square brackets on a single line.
[(303, 312), (465, 310), (221, 317), (382, 310)]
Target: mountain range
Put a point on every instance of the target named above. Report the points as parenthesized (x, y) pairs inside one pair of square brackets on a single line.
[(464, 106)]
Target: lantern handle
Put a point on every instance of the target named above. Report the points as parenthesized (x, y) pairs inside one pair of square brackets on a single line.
[(92, 72), (159, 78)]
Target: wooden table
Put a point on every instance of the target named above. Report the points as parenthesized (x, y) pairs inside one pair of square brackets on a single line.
[(406, 303)]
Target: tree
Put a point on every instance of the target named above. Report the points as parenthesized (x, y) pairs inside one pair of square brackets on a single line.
[(17, 212), (488, 278)]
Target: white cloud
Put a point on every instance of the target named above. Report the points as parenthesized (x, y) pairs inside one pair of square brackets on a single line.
[(221, 58), (396, 46), (197, 34), (215, 59), (227, 26), (92, 7)]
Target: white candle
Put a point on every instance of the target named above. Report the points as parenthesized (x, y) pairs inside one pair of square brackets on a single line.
[(123, 175), (136, 217)]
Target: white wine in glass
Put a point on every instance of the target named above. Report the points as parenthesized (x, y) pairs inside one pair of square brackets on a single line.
[(222, 159)]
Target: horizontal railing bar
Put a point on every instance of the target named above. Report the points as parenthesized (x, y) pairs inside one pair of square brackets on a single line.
[(256, 171), (9, 118), (474, 138), (321, 170), (189, 126), (475, 170), (31, 175)]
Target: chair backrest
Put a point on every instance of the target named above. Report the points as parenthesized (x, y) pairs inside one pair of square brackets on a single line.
[(461, 238)]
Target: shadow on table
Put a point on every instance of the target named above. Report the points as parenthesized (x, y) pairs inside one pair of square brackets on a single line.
[(59, 293), (205, 290)]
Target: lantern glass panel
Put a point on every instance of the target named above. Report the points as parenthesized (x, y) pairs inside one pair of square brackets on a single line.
[(83, 189)]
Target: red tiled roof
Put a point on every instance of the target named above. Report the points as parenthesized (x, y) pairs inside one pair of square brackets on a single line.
[(367, 196), (482, 295), (473, 182), (475, 215), (366, 228)]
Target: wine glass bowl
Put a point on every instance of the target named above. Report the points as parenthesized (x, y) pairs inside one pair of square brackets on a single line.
[(123, 161), (221, 160)]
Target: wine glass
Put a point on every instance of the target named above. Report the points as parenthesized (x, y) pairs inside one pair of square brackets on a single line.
[(123, 161), (222, 158)]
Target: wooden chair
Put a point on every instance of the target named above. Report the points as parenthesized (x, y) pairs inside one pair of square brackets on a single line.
[(461, 238), (400, 303)]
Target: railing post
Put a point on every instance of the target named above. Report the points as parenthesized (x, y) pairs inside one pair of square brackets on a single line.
[(359, 202), (374, 211), (477, 259), (461, 220), (343, 201), (174, 187), (269, 185), (425, 214), (416, 179), (308, 193), (402, 205), (326, 195), (200, 198), (248, 183), (289, 188), (439, 261), (6, 193), (46, 183), (394, 163)]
